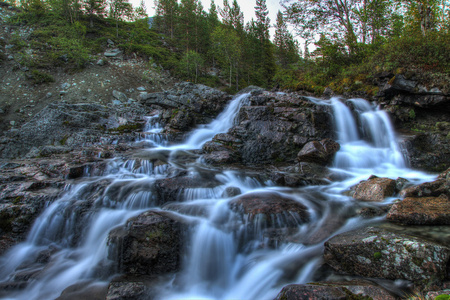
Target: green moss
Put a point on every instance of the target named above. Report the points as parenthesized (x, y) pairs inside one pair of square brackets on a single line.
[(64, 140), (17, 199), (377, 255), (442, 297), (412, 114), (126, 128), (40, 77)]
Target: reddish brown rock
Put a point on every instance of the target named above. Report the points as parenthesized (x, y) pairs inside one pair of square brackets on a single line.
[(428, 189), (272, 208), (374, 189), (319, 152), (421, 211)]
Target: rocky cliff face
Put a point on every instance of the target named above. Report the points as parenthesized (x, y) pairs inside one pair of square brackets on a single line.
[(420, 110)]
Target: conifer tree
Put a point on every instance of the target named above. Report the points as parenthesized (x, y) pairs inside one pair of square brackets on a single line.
[(167, 13), (262, 19), (94, 8), (140, 12), (286, 48)]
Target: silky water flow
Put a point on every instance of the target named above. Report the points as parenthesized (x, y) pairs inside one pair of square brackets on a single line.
[(225, 257)]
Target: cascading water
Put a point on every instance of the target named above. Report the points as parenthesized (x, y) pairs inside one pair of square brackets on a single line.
[(228, 256)]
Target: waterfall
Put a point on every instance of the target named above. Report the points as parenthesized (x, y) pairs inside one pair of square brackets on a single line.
[(227, 256)]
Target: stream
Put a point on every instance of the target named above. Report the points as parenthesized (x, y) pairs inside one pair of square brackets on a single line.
[(225, 257)]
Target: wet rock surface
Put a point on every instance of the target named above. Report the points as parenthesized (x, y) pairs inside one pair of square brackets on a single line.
[(149, 244), (356, 289), (421, 211), (187, 104), (319, 152), (373, 252), (272, 128), (270, 210), (374, 189)]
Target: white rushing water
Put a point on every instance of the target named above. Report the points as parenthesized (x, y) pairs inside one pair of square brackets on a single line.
[(227, 257)]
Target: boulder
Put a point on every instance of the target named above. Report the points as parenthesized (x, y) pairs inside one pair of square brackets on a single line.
[(374, 252), (318, 152), (149, 244), (375, 189), (271, 128), (187, 104), (270, 209), (355, 289), (120, 290), (428, 189), (429, 150), (84, 290), (421, 211), (174, 189)]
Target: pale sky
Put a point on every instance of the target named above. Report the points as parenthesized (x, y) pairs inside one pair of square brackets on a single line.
[(247, 7)]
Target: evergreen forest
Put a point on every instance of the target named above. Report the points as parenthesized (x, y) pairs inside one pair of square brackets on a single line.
[(344, 44)]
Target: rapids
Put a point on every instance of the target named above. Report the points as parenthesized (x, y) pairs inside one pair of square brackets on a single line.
[(225, 258)]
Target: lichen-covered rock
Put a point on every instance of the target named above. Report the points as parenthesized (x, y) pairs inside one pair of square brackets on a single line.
[(355, 289), (319, 152), (149, 244), (374, 189), (421, 211), (428, 189), (374, 252)]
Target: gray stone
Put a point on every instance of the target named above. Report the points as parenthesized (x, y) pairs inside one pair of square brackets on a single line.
[(374, 252), (100, 62), (149, 244), (113, 53), (141, 88), (120, 96), (116, 102)]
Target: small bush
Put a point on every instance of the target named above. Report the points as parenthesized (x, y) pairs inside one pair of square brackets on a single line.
[(40, 77)]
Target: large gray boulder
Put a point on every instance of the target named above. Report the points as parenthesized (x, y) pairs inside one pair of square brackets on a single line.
[(272, 128), (187, 104), (374, 252), (149, 244)]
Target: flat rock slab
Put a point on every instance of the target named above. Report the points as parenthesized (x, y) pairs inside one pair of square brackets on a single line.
[(375, 189), (421, 211), (334, 290), (378, 253)]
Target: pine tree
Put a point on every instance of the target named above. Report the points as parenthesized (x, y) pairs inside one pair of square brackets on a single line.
[(287, 51), (232, 15), (141, 11), (120, 10), (94, 8), (167, 14), (262, 21)]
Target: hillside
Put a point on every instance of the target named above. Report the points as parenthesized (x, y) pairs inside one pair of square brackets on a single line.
[(26, 90)]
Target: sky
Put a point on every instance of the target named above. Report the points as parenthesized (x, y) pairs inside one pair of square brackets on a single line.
[(247, 7)]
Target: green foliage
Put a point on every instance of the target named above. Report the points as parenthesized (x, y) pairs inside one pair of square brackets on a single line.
[(40, 77), (442, 297), (190, 66)]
